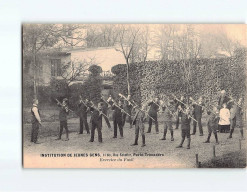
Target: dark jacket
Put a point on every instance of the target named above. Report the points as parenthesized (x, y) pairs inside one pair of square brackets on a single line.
[(198, 110), (139, 116), (117, 114), (82, 110), (153, 109), (128, 107), (63, 113), (105, 107), (239, 116), (177, 104), (185, 121), (96, 117), (213, 120), (167, 112)]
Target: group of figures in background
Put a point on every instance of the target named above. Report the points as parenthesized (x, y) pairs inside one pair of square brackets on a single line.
[(223, 118)]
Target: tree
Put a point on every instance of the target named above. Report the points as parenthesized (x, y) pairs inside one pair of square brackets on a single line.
[(101, 35), (128, 35), (37, 37), (74, 69)]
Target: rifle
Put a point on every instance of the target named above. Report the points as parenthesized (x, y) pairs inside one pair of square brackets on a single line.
[(179, 100), (135, 105), (173, 114), (234, 101), (105, 101), (132, 103), (65, 106), (85, 105), (118, 106), (182, 108), (193, 101), (100, 112)]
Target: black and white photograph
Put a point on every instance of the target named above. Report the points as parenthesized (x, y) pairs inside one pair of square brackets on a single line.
[(134, 95)]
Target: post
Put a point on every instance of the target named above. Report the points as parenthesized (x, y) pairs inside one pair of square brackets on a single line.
[(197, 162), (239, 144), (214, 155)]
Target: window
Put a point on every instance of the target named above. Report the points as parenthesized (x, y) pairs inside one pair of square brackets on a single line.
[(56, 69)]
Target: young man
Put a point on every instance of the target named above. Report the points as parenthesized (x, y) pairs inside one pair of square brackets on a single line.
[(105, 110), (127, 108), (198, 110), (153, 112), (236, 118), (168, 114), (212, 124), (36, 121), (138, 121), (185, 127), (83, 109), (117, 116), (96, 121), (63, 112), (177, 105)]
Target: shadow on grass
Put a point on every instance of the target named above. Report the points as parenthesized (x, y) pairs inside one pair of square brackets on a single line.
[(235, 159)]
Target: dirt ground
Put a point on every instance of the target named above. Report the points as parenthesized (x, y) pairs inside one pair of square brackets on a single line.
[(79, 143)]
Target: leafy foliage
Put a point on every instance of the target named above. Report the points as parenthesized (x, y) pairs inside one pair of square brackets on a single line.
[(193, 77), (90, 88)]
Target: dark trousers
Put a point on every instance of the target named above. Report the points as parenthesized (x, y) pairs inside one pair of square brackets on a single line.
[(139, 127), (150, 121), (63, 124), (185, 133), (177, 120), (97, 125), (210, 131), (83, 122), (224, 128), (107, 121), (168, 125), (199, 122), (124, 119), (119, 124), (35, 132)]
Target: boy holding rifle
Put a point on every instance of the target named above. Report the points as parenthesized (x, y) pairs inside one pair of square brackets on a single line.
[(96, 121), (168, 114), (117, 116), (138, 121), (236, 117), (127, 108), (83, 108), (105, 109), (178, 104), (153, 112), (185, 127), (212, 124), (63, 112), (198, 110)]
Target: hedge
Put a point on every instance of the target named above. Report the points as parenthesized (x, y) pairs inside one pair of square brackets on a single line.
[(206, 77)]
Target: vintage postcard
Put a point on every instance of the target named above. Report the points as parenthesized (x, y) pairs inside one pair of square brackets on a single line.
[(134, 95)]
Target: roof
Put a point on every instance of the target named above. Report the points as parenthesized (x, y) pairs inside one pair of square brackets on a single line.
[(68, 50)]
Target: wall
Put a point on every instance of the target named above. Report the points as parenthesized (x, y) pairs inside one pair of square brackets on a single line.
[(45, 76), (104, 57)]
